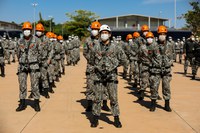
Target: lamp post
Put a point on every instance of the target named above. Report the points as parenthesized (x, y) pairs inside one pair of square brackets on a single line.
[(34, 6), (175, 14), (159, 18), (51, 17)]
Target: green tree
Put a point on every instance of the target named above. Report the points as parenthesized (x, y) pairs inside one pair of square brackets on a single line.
[(192, 17), (79, 22)]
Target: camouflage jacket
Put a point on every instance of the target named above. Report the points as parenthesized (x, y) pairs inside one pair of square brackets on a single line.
[(107, 59), (28, 52)]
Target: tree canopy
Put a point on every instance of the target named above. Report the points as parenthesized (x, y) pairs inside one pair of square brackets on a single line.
[(192, 17)]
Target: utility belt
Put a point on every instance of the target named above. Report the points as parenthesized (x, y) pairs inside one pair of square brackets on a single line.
[(105, 82), (26, 69), (160, 70)]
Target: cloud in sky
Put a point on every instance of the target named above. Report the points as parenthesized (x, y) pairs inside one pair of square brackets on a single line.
[(158, 1)]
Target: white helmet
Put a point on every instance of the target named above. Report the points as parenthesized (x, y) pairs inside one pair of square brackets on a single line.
[(105, 27)]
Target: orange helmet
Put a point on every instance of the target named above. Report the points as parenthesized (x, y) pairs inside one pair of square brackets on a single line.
[(136, 34), (60, 38), (27, 25), (54, 36), (129, 36), (149, 35), (40, 27), (95, 25), (145, 28), (49, 34), (162, 29)]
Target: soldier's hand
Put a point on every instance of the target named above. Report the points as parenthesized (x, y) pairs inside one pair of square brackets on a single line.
[(49, 61), (32, 45), (22, 46)]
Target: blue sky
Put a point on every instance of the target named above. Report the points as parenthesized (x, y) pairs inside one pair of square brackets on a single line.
[(22, 10)]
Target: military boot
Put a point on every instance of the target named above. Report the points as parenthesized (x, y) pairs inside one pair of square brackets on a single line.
[(53, 84), (124, 75), (135, 83), (95, 121), (153, 105), (8, 62), (105, 106), (167, 106), (13, 60), (57, 79), (36, 105), (117, 122), (63, 71), (89, 106), (193, 77), (21, 106), (2, 71), (130, 78), (185, 72), (46, 93), (141, 97), (51, 87)]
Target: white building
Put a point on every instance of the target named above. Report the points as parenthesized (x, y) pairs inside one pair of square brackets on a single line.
[(8, 25), (133, 21)]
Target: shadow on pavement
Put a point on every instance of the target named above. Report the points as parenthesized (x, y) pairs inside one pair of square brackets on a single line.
[(103, 117)]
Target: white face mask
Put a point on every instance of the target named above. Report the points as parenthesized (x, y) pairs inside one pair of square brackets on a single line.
[(149, 40), (39, 33), (94, 32), (130, 40), (104, 37), (145, 33), (170, 40), (51, 39), (162, 38), (27, 33), (61, 41), (193, 38)]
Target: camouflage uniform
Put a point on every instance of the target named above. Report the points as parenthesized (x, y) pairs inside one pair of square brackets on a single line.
[(43, 60), (87, 53), (62, 54), (161, 69), (57, 58), (196, 59), (2, 63), (6, 46), (177, 50), (28, 64), (70, 53), (11, 50), (188, 50), (107, 59), (133, 59), (181, 51)]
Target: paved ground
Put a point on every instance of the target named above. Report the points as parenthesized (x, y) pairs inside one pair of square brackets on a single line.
[(65, 110)]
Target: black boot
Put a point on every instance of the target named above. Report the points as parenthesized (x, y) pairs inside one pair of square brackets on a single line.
[(185, 72), (8, 62), (89, 106), (135, 83), (141, 97), (22, 105), (30, 96), (95, 121), (193, 76), (124, 75), (57, 79), (130, 78), (53, 84), (153, 105), (63, 71), (117, 122), (105, 106), (13, 60), (51, 87), (2, 71), (36, 105), (46, 93), (167, 106)]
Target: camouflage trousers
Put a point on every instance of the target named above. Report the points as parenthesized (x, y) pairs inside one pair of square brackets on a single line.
[(195, 67), (44, 77), (51, 72), (73, 56), (145, 75), (125, 67), (2, 62), (57, 64), (69, 57), (90, 83), (155, 80), (99, 91), (11, 52), (62, 61), (134, 70), (6, 54), (187, 62), (22, 79)]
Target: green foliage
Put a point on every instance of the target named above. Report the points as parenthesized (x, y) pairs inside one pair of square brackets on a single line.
[(192, 17), (79, 22)]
